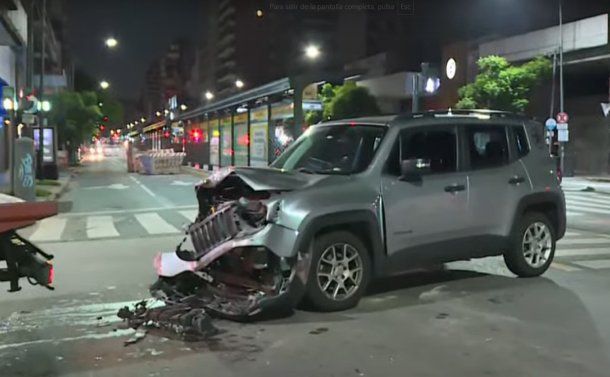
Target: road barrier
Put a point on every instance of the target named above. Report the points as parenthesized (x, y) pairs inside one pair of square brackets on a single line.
[(159, 162)]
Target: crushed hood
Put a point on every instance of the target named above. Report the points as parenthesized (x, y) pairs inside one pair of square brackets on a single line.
[(264, 179)]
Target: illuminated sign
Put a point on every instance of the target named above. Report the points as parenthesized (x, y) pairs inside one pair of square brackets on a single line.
[(451, 68)]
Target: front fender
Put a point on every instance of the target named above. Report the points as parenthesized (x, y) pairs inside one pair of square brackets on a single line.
[(312, 225)]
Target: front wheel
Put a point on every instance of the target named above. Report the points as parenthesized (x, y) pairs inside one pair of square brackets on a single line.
[(340, 272), (532, 246)]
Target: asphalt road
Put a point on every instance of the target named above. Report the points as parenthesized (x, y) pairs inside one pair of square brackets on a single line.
[(471, 319)]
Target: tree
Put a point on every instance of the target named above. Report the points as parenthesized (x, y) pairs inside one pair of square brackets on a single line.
[(502, 86), (76, 116), (348, 101), (112, 108)]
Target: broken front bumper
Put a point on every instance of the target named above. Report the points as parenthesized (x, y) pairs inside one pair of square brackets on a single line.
[(237, 271)]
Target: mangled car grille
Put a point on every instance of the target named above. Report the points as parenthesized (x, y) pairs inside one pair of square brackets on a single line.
[(215, 229)]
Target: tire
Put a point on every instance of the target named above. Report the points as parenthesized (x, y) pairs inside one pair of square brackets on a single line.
[(354, 281), (519, 259)]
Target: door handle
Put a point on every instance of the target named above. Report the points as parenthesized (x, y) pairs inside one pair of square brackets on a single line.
[(516, 180), (455, 188)]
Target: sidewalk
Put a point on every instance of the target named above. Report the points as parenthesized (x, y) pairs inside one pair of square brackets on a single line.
[(597, 184), (57, 189)]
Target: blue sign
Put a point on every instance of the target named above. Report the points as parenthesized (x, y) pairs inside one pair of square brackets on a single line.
[(550, 124)]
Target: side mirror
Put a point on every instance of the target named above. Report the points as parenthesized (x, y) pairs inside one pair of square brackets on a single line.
[(413, 169)]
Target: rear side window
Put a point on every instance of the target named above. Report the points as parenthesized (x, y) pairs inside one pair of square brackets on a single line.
[(520, 141), (487, 146)]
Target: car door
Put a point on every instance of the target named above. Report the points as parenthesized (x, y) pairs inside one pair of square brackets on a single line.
[(429, 211), (498, 179)]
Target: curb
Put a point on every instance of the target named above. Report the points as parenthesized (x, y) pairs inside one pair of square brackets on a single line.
[(200, 173), (62, 190)]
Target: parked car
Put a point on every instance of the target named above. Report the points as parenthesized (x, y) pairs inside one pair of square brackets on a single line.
[(357, 199)]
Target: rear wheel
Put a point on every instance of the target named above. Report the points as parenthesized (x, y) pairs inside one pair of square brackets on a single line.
[(532, 246), (340, 272)]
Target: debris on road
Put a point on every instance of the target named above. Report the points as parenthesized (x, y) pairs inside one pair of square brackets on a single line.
[(189, 322)]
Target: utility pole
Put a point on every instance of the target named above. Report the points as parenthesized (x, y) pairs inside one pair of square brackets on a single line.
[(552, 110), (561, 102), (39, 156)]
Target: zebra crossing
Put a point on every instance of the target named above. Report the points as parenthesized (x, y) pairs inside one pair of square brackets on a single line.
[(579, 203), (108, 225), (580, 250)]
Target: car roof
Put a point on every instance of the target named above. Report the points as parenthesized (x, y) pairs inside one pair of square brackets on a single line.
[(389, 120)]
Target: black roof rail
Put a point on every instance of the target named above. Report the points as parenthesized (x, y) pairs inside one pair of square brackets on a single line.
[(462, 112)]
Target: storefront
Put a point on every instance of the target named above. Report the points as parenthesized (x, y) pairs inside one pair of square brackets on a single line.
[(240, 139), (253, 127), (226, 141), (214, 132), (259, 136)]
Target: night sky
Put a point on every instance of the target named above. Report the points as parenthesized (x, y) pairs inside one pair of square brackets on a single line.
[(145, 28)]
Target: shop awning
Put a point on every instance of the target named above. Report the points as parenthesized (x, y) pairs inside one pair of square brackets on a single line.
[(273, 87), (154, 126)]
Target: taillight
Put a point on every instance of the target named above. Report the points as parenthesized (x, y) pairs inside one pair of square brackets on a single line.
[(51, 274)]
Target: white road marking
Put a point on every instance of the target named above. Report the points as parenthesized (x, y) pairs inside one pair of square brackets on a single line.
[(564, 267), (148, 191), (574, 214), (582, 208), (124, 211), (582, 252), (600, 201), (154, 224), (572, 234), (598, 264), (190, 214), (101, 227), (114, 186), (580, 202), (49, 229), (582, 241)]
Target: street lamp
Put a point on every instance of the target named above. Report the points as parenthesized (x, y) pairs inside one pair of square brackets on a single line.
[(158, 113), (312, 52), (46, 106), (239, 83), (111, 42), (104, 84), (183, 107), (8, 104), (209, 95), (142, 119)]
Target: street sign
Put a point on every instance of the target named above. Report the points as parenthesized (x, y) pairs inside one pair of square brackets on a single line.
[(563, 136), (550, 124), (563, 118), (562, 126)]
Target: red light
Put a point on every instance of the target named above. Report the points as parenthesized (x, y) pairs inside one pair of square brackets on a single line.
[(157, 264), (105, 118), (102, 128), (166, 134), (243, 140), (352, 124), (51, 274)]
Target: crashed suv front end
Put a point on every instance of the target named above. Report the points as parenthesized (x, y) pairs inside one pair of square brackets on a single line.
[(243, 260)]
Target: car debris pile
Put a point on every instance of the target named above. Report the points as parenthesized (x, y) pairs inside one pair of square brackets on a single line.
[(229, 272)]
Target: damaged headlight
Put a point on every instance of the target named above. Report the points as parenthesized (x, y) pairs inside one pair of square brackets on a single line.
[(273, 211), (253, 211)]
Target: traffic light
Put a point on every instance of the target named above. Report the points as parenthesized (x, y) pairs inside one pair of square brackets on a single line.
[(105, 118), (102, 127)]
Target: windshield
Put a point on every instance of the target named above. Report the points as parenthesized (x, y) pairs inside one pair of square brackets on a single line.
[(338, 149)]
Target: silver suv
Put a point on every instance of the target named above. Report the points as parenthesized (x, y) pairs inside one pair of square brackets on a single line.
[(357, 199)]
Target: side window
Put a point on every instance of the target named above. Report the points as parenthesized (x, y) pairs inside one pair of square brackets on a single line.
[(520, 141), (438, 146), (488, 147)]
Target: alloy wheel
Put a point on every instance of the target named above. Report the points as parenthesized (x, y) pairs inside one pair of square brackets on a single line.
[(339, 271)]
